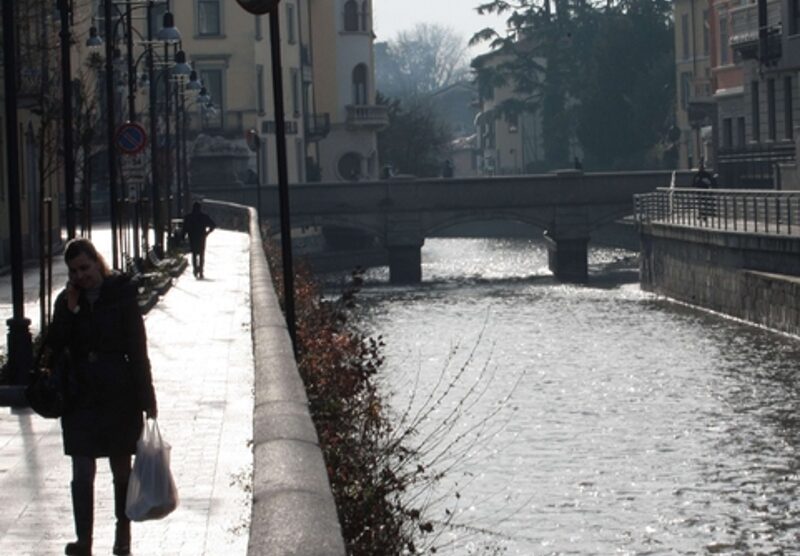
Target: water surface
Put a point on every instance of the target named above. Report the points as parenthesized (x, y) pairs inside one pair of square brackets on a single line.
[(588, 419)]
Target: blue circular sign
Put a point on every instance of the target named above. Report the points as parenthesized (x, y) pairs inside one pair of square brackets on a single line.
[(131, 138)]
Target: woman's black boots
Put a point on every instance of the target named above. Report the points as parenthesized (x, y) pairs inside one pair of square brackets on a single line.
[(122, 535), (83, 512)]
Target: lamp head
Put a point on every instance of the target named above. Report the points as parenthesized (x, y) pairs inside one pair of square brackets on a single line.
[(169, 33), (181, 68), (194, 83), (94, 41)]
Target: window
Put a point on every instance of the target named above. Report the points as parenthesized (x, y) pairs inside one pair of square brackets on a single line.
[(351, 15), (260, 88), (771, 124), (686, 88), (741, 137), (724, 46), (290, 24), (754, 109), (360, 85), (685, 35), (212, 80), (788, 116), (209, 18), (513, 123), (295, 92), (705, 32), (300, 159), (727, 133), (259, 30), (365, 15), (794, 17)]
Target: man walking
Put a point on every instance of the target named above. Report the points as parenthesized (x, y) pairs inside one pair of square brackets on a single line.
[(197, 225)]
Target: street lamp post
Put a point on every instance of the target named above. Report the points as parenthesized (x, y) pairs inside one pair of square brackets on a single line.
[(271, 7), (65, 12), (110, 131), (168, 35), (20, 344), (193, 86), (283, 175)]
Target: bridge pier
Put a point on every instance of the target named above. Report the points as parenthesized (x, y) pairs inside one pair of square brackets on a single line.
[(405, 264), (567, 257)]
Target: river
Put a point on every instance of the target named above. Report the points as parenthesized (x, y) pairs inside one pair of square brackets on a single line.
[(591, 419)]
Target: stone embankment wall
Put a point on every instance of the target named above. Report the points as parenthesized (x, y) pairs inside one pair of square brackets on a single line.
[(754, 277), (293, 508)]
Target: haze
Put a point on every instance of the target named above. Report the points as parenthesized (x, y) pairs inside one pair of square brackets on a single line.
[(392, 16)]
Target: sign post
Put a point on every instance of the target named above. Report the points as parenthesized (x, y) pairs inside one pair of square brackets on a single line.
[(130, 140)]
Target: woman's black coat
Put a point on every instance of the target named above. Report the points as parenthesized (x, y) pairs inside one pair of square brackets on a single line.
[(103, 348)]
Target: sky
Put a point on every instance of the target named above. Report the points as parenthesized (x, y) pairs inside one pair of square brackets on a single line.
[(391, 16)]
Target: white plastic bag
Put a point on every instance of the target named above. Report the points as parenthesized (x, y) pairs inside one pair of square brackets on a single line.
[(151, 491)]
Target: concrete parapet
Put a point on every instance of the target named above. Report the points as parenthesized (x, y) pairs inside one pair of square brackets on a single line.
[(754, 277), (293, 508)]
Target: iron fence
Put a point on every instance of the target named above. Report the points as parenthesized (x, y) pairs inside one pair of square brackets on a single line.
[(752, 167), (737, 210)]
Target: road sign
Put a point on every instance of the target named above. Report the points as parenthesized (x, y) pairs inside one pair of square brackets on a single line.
[(130, 138)]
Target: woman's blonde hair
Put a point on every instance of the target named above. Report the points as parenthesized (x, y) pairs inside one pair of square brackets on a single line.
[(80, 245)]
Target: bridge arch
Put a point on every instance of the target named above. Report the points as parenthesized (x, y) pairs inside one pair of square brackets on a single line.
[(442, 222)]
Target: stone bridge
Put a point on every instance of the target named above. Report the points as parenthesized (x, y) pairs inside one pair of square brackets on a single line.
[(568, 205)]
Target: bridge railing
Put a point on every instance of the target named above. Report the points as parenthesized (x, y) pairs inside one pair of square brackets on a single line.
[(738, 210)]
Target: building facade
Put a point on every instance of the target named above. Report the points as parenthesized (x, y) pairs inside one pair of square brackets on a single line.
[(737, 105), (506, 144), (693, 46), (344, 88)]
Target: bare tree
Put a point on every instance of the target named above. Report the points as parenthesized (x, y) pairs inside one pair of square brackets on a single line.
[(422, 60)]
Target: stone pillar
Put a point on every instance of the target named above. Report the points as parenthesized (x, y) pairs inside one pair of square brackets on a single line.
[(404, 239), (405, 264), (567, 257)]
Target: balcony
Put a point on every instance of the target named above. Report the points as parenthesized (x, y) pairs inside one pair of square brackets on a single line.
[(744, 31), (369, 117), (702, 89), (317, 127), (268, 127)]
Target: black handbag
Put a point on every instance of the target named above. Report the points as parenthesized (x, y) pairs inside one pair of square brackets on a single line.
[(47, 393)]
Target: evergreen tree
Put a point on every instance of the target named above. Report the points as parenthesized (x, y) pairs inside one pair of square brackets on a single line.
[(601, 72), (414, 140)]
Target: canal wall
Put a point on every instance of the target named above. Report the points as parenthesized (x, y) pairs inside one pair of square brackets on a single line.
[(293, 510), (754, 277)]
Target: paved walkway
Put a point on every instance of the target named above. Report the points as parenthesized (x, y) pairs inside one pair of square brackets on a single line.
[(201, 353)]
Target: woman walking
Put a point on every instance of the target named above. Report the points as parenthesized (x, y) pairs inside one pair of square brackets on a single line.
[(98, 331)]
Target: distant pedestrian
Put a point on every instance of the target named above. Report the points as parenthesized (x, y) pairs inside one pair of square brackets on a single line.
[(197, 225), (703, 179), (447, 169), (98, 331), (577, 163), (387, 171)]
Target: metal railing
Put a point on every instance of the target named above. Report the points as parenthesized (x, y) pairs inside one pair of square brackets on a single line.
[(367, 115), (736, 210), (752, 167), (744, 21)]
